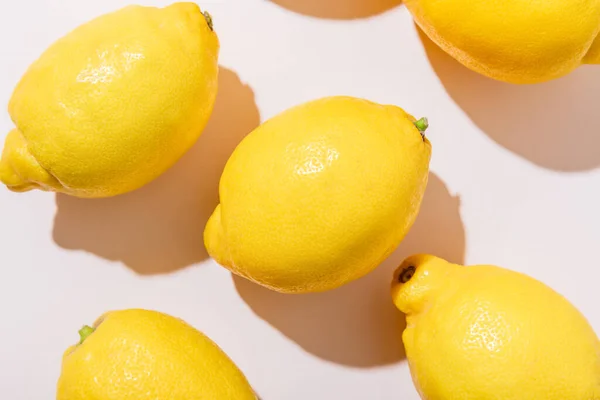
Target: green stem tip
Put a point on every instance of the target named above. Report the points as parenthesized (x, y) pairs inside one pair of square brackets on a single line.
[(85, 332), (209, 20), (422, 125)]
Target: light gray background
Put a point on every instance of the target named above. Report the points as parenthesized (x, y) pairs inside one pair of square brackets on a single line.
[(514, 182)]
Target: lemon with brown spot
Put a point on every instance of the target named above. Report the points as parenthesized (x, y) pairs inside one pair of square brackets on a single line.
[(487, 333)]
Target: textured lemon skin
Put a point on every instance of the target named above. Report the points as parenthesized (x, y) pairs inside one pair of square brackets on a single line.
[(140, 354), (487, 333), (518, 41), (319, 195), (114, 103)]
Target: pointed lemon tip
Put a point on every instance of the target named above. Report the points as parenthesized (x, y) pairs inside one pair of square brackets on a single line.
[(213, 237), (14, 153), (593, 54), (415, 280), (19, 169)]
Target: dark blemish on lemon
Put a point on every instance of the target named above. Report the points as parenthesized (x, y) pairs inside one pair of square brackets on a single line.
[(406, 274)]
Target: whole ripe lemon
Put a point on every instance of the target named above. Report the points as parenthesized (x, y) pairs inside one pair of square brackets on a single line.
[(139, 354), (487, 333), (320, 194), (519, 41), (114, 103)]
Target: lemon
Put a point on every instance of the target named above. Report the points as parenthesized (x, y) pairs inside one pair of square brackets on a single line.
[(517, 41), (114, 103), (139, 354), (320, 194), (487, 333)]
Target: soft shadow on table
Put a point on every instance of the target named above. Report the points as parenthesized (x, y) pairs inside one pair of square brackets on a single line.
[(338, 9), (159, 228), (554, 124), (357, 325)]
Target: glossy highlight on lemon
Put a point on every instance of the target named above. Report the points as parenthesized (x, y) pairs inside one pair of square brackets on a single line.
[(140, 354), (486, 333), (320, 194), (516, 41), (114, 103)]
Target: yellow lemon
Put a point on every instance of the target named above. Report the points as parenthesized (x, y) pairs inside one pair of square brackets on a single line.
[(140, 354), (487, 333), (320, 194), (114, 103), (519, 41)]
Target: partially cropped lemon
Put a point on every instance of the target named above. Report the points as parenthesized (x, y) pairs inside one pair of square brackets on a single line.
[(487, 333), (520, 41), (114, 103), (320, 194), (140, 354)]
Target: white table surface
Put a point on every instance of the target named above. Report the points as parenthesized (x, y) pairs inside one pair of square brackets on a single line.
[(515, 182)]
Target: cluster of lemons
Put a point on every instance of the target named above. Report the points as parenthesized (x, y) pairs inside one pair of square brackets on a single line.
[(312, 199)]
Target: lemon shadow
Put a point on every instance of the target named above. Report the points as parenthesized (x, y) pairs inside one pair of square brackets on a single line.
[(554, 125), (159, 228), (338, 9), (357, 325)]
